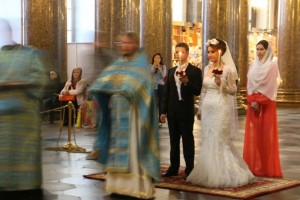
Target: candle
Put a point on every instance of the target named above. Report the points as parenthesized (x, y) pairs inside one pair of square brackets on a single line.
[(219, 59), (179, 60)]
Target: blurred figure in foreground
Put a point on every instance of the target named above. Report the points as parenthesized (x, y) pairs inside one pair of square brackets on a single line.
[(22, 79), (128, 135), (98, 59)]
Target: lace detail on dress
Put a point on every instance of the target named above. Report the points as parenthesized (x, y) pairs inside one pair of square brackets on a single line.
[(228, 83)]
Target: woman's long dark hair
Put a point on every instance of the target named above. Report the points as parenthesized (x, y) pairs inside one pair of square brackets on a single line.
[(161, 59), (79, 78)]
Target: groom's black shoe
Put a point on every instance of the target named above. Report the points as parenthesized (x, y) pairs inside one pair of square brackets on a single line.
[(187, 173), (170, 172)]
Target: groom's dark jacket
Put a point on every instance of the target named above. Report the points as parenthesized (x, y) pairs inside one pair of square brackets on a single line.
[(183, 109)]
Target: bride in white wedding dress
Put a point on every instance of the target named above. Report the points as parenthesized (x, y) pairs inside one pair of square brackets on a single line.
[(219, 165)]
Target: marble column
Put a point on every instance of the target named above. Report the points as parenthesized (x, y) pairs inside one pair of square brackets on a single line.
[(214, 23), (114, 17), (289, 51), (103, 24), (228, 20), (194, 11), (241, 51), (156, 29), (45, 26), (237, 37)]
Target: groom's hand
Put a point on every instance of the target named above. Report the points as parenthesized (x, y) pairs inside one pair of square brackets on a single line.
[(184, 79), (162, 118)]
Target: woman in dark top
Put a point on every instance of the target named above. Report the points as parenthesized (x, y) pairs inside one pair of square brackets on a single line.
[(50, 98)]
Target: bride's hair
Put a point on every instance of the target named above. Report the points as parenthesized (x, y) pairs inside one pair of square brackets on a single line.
[(217, 45), (220, 45)]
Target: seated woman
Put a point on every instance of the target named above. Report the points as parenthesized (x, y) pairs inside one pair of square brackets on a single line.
[(77, 87), (50, 98)]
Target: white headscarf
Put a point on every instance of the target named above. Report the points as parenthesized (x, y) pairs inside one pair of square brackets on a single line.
[(263, 76)]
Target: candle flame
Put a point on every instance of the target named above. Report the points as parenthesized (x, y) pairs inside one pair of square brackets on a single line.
[(179, 54), (219, 59)]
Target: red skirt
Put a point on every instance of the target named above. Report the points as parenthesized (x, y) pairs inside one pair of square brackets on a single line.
[(261, 145)]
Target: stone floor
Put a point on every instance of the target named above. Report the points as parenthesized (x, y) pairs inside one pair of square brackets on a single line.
[(63, 172)]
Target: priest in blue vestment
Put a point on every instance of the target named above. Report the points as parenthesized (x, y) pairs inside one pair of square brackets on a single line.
[(22, 80), (128, 134)]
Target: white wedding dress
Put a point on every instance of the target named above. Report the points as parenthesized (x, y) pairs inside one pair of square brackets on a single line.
[(219, 165)]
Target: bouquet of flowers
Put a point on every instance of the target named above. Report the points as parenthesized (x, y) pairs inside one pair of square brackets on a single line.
[(180, 73), (217, 72)]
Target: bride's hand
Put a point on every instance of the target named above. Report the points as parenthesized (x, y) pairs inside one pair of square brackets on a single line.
[(218, 80)]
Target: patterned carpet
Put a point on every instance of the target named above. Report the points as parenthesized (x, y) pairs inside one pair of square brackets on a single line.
[(260, 187)]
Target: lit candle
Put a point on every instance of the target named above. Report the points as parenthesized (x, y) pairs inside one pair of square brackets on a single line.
[(219, 59), (179, 60)]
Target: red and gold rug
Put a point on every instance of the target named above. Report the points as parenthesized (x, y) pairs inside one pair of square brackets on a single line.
[(260, 187)]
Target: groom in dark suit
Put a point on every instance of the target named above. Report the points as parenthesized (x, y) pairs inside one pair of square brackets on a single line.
[(184, 82)]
